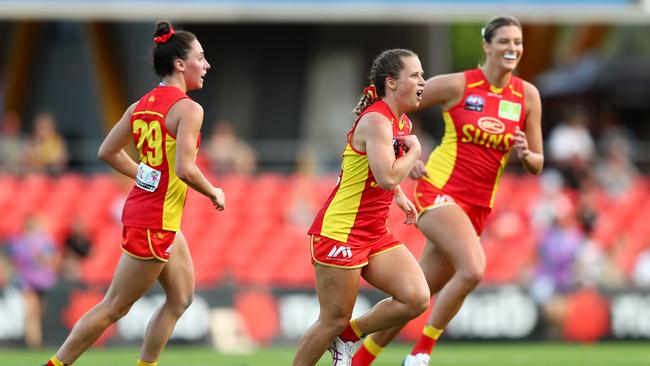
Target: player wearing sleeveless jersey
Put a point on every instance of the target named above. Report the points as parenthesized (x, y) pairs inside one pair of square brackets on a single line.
[(487, 112), (164, 126), (349, 238)]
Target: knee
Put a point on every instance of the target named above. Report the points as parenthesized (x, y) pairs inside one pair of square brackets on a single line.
[(339, 324), (115, 311), (417, 302), (472, 275), (180, 304), (336, 321)]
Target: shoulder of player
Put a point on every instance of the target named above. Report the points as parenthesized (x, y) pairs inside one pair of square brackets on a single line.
[(374, 121), (531, 93), (132, 107), (187, 106)]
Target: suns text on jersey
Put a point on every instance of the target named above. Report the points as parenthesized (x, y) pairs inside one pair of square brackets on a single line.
[(498, 141)]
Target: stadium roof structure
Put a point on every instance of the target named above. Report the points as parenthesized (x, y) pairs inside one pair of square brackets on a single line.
[(330, 11), (621, 81)]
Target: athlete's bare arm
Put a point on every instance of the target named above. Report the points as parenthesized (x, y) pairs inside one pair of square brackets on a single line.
[(112, 149), (446, 90), (528, 144), (187, 116), (374, 135)]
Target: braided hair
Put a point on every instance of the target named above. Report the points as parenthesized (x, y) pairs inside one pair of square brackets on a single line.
[(388, 63)]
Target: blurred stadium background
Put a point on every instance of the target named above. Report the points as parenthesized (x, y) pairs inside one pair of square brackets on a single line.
[(568, 252)]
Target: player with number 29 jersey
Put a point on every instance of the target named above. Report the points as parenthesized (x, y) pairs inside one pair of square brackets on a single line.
[(157, 199)]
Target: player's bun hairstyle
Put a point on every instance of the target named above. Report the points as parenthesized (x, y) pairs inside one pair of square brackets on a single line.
[(495, 23), (388, 63), (170, 45)]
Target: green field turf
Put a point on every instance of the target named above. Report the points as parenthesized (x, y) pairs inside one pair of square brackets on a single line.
[(494, 354)]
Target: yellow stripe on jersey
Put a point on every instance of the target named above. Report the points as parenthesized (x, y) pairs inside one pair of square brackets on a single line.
[(504, 162), (342, 211), (176, 191), (149, 112), (516, 93), (474, 85), (443, 158), (495, 89)]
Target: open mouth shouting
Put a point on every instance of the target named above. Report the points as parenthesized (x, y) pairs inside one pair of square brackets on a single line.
[(418, 93)]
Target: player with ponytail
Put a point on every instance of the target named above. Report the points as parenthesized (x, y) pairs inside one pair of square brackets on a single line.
[(349, 238)]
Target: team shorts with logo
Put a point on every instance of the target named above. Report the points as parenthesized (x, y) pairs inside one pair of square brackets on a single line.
[(148, 243), (428, 197), (333, 253)]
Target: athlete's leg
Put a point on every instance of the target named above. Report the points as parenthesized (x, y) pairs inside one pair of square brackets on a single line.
[(177, 279), (437, 271), (395, 272), (132, 278), (337, 292), (449, 228)]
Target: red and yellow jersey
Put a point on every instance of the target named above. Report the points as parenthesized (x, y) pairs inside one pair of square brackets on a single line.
[(357, 210), (157, 199), (479, 133)]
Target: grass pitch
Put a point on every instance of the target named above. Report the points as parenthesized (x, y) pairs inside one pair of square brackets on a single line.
[(483, 354)]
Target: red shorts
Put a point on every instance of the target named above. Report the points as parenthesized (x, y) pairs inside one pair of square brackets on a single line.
[(148, 243), (428, 197), (333, 253)]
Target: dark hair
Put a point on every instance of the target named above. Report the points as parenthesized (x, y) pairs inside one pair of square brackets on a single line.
[(388, 63), (497, 22), (170, 45)]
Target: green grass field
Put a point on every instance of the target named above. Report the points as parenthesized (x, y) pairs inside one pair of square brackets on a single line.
[(493, 354)]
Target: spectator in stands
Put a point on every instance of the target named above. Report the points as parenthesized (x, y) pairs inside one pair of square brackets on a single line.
[(349, 236), (155, 250), (616, 172), (36, 261), (557, 251), (47, 151), (12, 144), (305, 199), (77, 247), (571, 147), (543, 209), (485, 121), (227, 153)]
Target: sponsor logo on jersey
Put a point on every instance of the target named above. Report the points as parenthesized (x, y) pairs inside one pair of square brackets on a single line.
[(509, 110), (491, 125), (480, 136), (474, 103), (343, 251), (495, 95)]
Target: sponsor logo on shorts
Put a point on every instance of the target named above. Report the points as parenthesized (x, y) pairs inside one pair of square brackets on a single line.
[(343, 251), (442, 199)]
